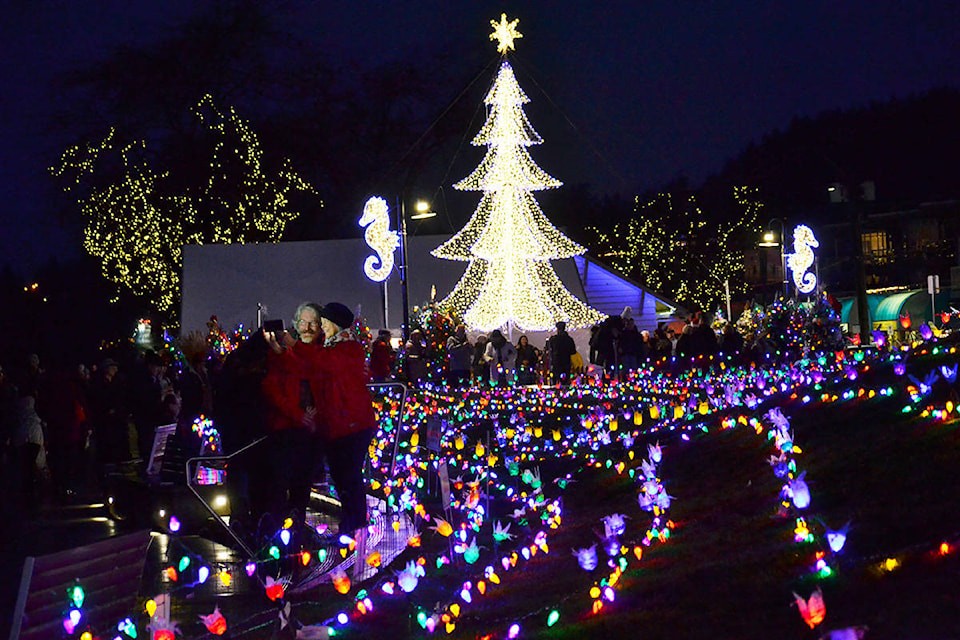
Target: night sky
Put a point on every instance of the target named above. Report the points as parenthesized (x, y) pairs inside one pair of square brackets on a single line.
[(651, 89)]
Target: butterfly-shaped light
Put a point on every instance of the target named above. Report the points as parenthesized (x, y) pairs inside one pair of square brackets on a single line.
[(587, 557), (799, 491), (813, 610), (215, 622), (836, 539)]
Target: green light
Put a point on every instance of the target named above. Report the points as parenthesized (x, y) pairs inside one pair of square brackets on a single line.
[(553, 617), (184, 562), (422, 619), (275, 552), (76, 595)]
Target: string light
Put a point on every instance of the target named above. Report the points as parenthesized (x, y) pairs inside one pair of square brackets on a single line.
[(508, 241), (802, 259), (670, 247), (137, 224), (380, 238)]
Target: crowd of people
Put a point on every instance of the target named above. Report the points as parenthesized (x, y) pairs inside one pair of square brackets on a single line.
[(303, 392), (616, 347), (490, 360), (60, 426)]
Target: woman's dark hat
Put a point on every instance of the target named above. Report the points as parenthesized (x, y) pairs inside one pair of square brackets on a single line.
[(338, 314)]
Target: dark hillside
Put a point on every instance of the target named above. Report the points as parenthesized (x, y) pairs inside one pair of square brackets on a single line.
[(910, 148)]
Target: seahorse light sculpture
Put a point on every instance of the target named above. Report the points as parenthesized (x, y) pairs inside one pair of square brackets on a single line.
[(802, 259), (380, 238)]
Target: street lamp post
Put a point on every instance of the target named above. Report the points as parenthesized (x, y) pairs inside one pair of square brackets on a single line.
[(770, 241), (422, 211)]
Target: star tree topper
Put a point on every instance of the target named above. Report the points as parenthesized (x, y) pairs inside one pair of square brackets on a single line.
[(505, 33)]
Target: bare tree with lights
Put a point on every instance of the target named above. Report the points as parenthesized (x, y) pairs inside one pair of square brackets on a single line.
[(136, 221)]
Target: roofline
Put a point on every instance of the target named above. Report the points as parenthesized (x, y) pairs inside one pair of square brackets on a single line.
[(673, 303)]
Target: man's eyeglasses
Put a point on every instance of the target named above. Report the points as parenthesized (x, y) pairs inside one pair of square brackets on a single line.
[(303, 324)]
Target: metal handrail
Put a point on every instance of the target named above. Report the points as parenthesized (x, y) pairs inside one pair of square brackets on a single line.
[(191, 462), (206, 504), (404, 389)]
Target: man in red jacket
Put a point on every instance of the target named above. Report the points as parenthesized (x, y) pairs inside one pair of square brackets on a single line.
[(336, 422), (291, 414)]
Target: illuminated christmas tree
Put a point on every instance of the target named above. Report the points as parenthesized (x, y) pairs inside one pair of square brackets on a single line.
[(508, 241)]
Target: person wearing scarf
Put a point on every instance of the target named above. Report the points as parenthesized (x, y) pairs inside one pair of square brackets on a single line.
[(343, 421)]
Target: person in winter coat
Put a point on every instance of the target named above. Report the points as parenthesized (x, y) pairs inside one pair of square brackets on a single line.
[(481, 372), (415, 358), (290, 409), (339, 421), (560, 350), (382, 357), (27, 443), (630, 345), (527, 359), (459, 354), (63, 407), (501, 357)]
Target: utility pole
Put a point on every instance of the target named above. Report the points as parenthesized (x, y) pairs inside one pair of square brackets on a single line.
[(856, 196), (402, 224), (863, 309)]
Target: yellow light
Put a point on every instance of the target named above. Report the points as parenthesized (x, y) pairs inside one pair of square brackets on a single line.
[(802, 259), (137, 228), (380, 238), (505, 33), (508, 242), (422, 211)]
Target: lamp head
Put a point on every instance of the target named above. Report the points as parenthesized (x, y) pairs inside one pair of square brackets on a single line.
[(422, 211), (769, 240)]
